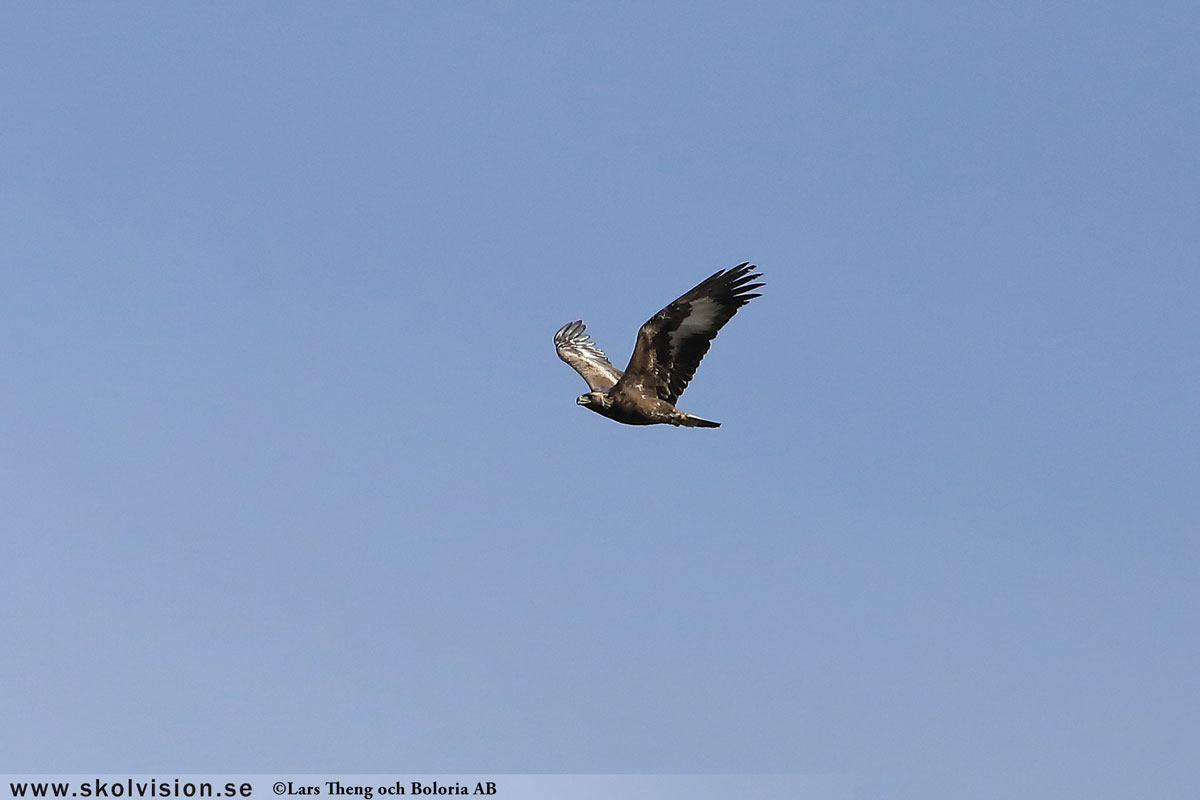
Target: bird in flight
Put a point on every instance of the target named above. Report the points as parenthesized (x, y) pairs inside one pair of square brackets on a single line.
[(668, 350)]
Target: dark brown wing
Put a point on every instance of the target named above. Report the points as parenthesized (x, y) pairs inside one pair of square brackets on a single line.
[(577, 349), (672, 342)]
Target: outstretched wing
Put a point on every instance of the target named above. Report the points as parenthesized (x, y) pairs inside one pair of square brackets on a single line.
[(577, 349), (672, 342)]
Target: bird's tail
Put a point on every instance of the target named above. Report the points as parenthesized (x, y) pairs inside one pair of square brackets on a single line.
[(688, 421)]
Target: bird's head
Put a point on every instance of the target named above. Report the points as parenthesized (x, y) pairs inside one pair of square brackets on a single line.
[(594, 400)]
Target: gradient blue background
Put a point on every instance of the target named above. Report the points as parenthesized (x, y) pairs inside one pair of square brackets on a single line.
[(292, 479)]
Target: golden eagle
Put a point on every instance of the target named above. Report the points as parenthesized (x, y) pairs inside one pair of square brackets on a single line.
[(668, 350)]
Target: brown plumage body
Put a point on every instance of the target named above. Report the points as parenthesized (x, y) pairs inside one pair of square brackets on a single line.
[(669, 347)]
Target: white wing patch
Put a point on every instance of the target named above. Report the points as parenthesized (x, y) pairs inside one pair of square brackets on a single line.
[(700, 320)]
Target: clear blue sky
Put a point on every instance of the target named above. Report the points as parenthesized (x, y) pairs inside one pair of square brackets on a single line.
[(293, 481)]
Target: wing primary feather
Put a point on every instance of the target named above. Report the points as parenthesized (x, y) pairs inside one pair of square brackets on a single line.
[(577, 349)]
